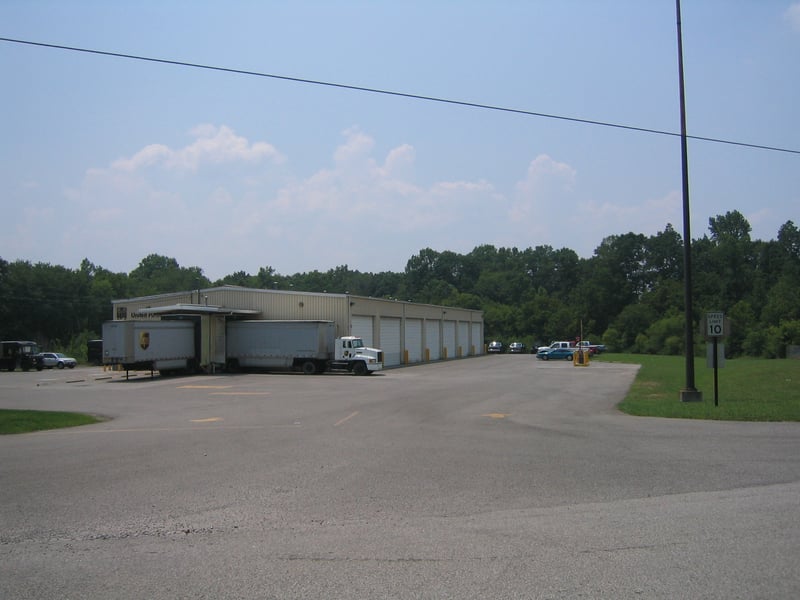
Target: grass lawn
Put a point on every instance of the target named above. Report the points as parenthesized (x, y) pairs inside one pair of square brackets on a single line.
[(25, 421), (749, 389)]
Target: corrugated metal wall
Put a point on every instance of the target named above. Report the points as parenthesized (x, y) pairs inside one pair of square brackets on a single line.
[(125, 310), (278, 304)]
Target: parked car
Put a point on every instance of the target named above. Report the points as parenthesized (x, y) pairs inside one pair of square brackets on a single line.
[(516, 347), (57, 360), (556, 353), (495, 347)]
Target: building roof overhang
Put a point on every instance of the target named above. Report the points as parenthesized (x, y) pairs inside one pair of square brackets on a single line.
[(195, 309)]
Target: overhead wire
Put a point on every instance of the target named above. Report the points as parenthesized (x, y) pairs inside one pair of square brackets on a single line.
[(422, 97)]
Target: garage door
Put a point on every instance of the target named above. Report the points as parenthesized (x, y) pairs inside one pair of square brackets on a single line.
[(362, 327), (414, 340), (390, 341), (463, 338), (477, 339), (433, 344), (449, 332)]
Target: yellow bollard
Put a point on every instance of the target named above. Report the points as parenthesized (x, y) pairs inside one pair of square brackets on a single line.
[(580, 358)]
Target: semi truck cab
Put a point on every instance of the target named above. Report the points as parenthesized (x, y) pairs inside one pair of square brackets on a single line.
[(350, 349)]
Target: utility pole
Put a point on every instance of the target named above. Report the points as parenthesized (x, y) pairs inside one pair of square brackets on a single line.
[(689, 393)]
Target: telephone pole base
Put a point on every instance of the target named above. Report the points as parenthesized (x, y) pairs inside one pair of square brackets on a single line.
[(691, 396)]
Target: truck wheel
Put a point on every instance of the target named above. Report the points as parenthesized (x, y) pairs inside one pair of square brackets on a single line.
[(60, 365), (309, 368), (360, 368)]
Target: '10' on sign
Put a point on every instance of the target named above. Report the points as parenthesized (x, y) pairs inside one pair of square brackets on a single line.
[(714, 324)]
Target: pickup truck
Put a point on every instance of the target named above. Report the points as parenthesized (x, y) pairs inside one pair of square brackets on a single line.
[(592, 348), (555, 346)]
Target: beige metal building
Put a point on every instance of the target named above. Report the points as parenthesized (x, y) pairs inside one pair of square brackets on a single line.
[(407, 333)]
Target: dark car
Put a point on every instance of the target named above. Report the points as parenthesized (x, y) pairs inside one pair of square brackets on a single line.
[(556, 353), (94, 352), (495, 347), (19, 355), (516, 347)]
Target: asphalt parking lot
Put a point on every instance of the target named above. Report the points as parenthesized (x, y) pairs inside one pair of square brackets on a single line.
[(493, 477)]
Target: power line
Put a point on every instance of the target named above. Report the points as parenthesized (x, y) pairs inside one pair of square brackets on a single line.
[(399, 94)]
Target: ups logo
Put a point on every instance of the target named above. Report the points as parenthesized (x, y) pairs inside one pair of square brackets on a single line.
[(144, 340)]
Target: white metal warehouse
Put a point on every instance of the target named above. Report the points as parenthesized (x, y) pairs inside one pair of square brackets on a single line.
[(407, 333)]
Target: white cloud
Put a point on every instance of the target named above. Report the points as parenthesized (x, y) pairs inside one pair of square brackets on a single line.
[(758, 218), (546, 175), (792, 15), (360, 209), (360, 187), (150, 155), (222, 197), (369, 213), (355, 186), (363, 210), (131, 209), (400, 162), (648, 216), (551, 209), (356, 151), (543, 199), (212, 145)]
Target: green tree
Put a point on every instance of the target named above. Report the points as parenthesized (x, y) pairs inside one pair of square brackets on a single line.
[(612, 279), (732, 257), (742, 319), (556, 271), (420, 271), (632, 321), (5, 298), (240, 278), (664, 336), (158, 274), (663, 257)]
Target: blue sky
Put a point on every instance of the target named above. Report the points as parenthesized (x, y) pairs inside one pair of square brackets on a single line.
[(113, 159)]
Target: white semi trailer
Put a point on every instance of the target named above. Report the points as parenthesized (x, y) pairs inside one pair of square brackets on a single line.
[(164, 346), (307, 346)]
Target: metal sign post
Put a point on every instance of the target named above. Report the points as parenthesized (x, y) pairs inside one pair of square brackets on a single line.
[(715, 328), (716, 371)]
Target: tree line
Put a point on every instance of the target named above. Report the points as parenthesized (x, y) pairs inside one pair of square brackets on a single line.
[(628, 295)]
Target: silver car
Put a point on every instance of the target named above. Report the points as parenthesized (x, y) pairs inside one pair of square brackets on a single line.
[(57, 360)]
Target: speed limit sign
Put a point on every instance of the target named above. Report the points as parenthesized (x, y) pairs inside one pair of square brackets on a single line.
[(715, 324)]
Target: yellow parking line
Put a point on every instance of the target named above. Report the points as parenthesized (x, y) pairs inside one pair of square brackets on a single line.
[(497, 415), (204, 387), (241, 393), (347, 418), (211, 420)]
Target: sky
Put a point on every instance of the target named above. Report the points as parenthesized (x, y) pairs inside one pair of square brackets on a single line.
[(113, 159)]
